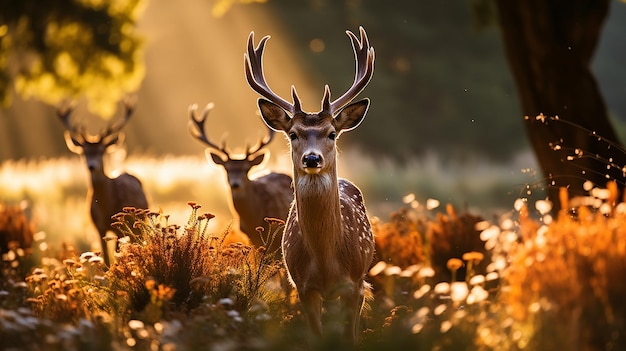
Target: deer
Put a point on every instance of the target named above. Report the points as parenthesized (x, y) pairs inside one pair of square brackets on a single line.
[(328, 244), (107, 196), (253, 200)]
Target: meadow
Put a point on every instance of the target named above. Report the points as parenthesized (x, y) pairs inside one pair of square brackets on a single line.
[(454, 269)]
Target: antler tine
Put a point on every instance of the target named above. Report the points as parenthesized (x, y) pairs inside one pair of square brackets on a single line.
[(113, 128), (262, 143), (64, 115), (256, 78), (364, 56), (196, 127)]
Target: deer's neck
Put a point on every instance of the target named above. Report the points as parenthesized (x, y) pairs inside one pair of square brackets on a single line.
[(319, 211), (246, 203), (102, 186)]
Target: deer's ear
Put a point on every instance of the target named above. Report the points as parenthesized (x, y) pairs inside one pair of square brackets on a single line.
[(73, 144), (216, 158), (273, 115), (352, 115)]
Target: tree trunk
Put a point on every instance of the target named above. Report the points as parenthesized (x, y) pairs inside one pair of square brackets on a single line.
[(549, 46)]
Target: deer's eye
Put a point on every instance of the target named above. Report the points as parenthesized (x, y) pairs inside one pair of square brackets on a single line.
[(293, 136), (332, 136)]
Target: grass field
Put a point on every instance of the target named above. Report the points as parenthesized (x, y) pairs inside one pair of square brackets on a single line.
[(448, 274)]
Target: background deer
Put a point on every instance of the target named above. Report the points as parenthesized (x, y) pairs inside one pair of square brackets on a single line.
[(328, 243), (268, 196), (108, 196)]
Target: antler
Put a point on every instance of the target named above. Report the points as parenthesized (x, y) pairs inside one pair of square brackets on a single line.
[(364, 56), (116, 127), (256, 79), (196, 127), (261, 144), (64, 115)]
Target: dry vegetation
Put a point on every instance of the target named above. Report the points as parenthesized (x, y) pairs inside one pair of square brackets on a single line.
[(442, 281)]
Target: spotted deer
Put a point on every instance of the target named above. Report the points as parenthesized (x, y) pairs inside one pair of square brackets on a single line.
[(108, 196), (252, 199), (328, 243)]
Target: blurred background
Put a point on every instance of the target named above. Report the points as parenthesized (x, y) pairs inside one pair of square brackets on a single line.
[(444, 123)]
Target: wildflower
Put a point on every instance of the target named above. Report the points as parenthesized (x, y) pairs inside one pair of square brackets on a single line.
[(226, 302), (410, 270), (445, 326), (489, 233), (194, 205), (442, 288), (135, 324), (477, 294), (519, 204), (407, 199), (392, 270), (378, 268), (453, 265), (85, 256), (426, 272), (129, 209), (440, 309), (423, 290), (473, 258), (477, 279), (432, 204), (458, 291), (96, 260), (272, 220), (543, 206), (492, 276), (150, 283), (207, 216), (563, 198)]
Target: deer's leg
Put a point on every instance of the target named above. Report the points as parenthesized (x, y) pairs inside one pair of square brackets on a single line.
[(312, 305), (351, 304), (105, 247)]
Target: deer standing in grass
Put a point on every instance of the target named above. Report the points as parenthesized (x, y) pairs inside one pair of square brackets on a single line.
[(328, 243), (108, 196), (252, 199)]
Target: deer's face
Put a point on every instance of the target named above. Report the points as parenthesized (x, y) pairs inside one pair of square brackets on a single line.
[(312, 139), (93, 153), (313, 136), (91, 147), (237, 169)]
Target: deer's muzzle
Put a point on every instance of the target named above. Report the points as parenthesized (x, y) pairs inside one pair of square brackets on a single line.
[(312, 163)]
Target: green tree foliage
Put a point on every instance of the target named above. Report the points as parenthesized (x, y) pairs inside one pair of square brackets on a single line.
[(55, 50)]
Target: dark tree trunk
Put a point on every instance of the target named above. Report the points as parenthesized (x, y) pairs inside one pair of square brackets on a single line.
[(549, 45)]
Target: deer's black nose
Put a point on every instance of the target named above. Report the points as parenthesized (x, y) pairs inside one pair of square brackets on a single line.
[(312, 160)]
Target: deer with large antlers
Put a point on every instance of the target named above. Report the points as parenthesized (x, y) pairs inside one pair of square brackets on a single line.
[(328, 243), (252, 199), (108, 196)]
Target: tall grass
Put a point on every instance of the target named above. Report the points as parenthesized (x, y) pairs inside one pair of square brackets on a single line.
[(55, 190), (529, 280), (443, 278)]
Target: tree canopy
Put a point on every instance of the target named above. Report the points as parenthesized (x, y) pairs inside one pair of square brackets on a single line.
[(56, 50)]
